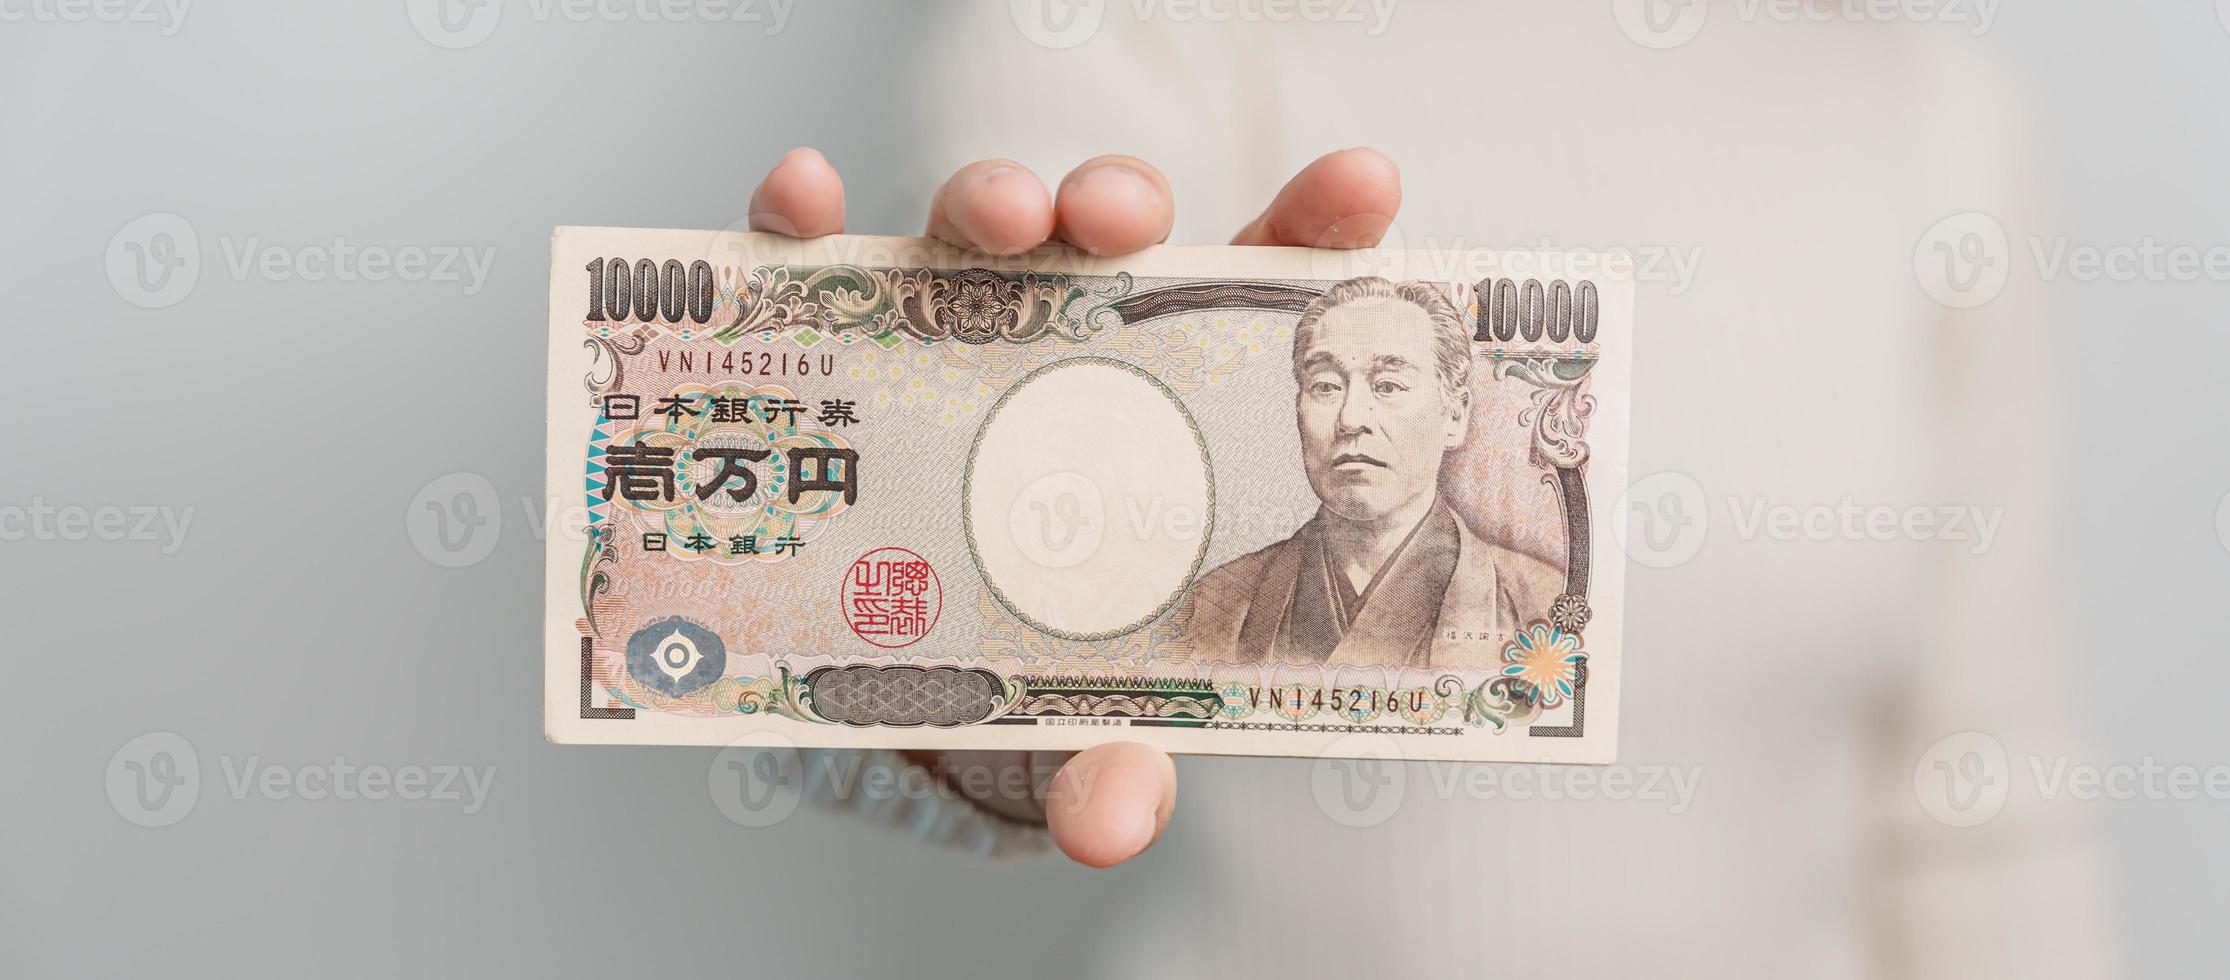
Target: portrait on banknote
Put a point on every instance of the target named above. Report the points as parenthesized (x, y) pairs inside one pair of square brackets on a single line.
[(856, 491), (1385, 571)]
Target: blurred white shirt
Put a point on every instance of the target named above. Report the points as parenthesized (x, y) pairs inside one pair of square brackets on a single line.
[(1775, 181)]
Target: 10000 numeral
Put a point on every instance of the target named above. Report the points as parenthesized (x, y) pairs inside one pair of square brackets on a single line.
[(649, 290)]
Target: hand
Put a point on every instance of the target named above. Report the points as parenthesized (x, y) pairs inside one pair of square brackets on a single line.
[(1108, 803)]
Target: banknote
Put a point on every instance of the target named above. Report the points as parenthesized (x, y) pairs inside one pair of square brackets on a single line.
[(855, 491)]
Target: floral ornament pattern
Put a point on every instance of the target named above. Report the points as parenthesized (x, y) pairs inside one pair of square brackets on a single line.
[(888, 305), (769, 300), (1561, 408), (1543, 664), (981, 307), (1570, 613)]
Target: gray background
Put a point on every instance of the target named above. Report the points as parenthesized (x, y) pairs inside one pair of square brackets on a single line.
[(299, 419)]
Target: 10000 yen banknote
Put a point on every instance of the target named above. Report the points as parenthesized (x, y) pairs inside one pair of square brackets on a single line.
[(861, 491)]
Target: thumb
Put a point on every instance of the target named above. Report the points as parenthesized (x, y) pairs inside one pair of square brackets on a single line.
[(1110, 802), (1345, 199)]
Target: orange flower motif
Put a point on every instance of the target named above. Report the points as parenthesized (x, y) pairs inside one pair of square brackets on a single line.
[(1543, 663)]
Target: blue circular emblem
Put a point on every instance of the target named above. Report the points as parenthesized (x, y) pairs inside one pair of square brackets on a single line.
[(674, 656)]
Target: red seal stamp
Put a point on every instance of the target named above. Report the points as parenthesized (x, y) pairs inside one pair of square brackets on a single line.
[(891, 597)]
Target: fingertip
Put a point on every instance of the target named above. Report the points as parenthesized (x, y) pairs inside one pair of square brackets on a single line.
[(1111, 802), (997, 206), (1361, 188), (1363, 168), (804, 157), (1114, 204), (1343, 199), (802, 196)]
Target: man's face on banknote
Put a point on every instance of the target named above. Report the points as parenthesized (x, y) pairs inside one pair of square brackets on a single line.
[(1374, 421)]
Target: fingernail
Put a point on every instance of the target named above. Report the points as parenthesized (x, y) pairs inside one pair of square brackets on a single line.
[(996, 173), (1114, 178)]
